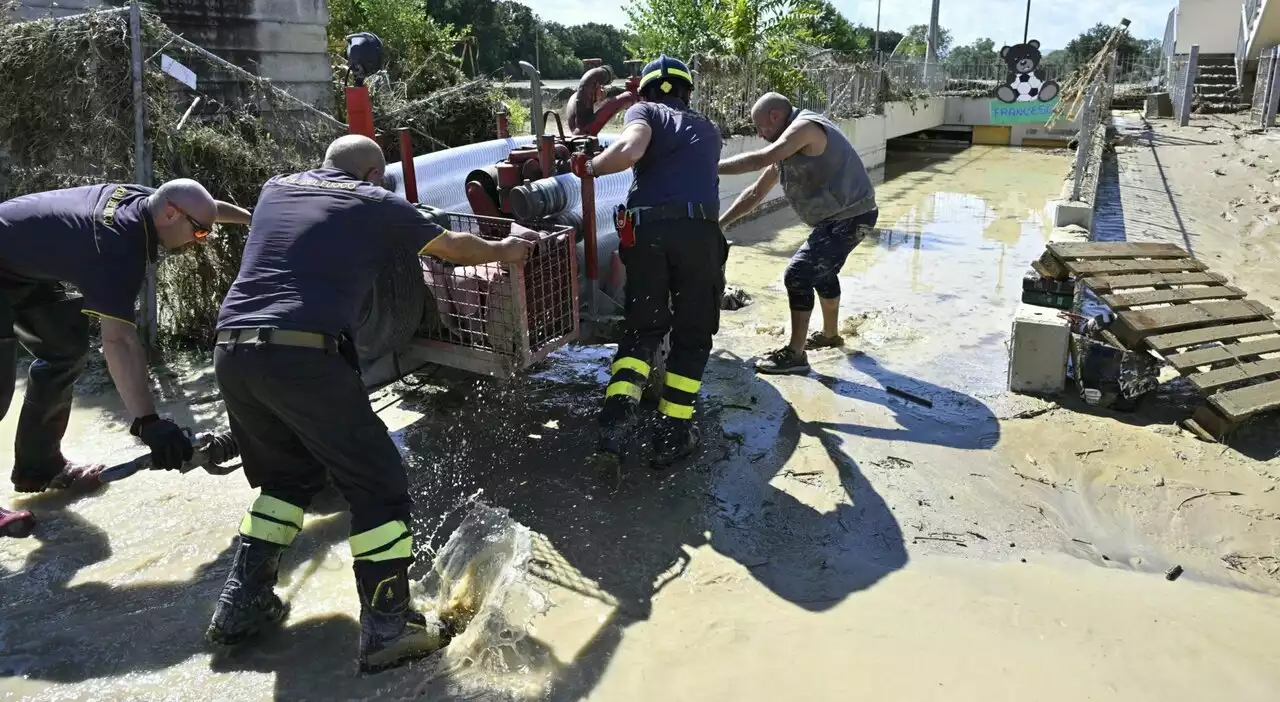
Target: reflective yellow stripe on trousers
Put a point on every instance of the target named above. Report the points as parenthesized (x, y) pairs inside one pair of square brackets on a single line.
[(383, 543), (628, 376), (272, 520), (677, 399)]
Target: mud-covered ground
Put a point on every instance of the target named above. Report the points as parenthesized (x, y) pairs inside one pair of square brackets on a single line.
[(831, 540)]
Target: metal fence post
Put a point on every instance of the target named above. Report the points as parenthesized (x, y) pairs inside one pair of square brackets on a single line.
[(141, 163), (1273, 91), (1188, 86), (1084, 144)]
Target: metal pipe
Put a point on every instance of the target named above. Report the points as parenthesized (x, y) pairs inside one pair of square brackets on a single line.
[(589, 216), (142, 165), (359, 112), (185, 115), (409, 174), (535, 86), (1026, 24), (503, 127), (547, 155)]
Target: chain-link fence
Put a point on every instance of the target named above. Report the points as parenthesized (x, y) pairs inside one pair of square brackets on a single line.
[(1266, 90), (115, 96), (825, 82)]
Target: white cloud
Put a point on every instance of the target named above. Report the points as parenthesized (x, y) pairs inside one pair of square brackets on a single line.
[(1053, 23)]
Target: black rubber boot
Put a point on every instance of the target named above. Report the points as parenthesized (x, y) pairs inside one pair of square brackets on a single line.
[(616, 421), (391, 632), (673, 440), (248, 602)]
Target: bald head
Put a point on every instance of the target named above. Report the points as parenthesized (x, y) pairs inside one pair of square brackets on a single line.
[(771, 113), (358, 155), (188, 196), (180, 208)]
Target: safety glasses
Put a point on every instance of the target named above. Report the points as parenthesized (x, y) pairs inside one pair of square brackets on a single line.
[(198, 230)]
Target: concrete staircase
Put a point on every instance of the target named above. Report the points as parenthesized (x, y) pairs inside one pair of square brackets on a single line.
[(1216, 89)]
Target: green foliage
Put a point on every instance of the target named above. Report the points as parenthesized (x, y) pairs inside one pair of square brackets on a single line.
[(507, 32), (678, 28), (78, 130), (1083, 48), (419, 86), (831, 30), (419, 50), (980, 52), (594, 40), (917, 39)]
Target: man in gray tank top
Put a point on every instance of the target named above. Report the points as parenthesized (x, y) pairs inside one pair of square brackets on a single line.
[(826, 184)]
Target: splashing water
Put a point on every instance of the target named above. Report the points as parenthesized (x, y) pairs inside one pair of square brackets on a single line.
[(479, 583)]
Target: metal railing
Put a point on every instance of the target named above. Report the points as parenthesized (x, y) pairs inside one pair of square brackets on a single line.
[(1182, 84), (1094, 116), (1266, 91), (1242, 44)]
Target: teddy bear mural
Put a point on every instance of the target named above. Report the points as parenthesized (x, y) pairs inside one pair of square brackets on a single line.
[(1026, 81)]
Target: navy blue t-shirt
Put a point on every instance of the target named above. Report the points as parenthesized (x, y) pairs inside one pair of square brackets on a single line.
[(98, 238), (680, 164), (316, 244)]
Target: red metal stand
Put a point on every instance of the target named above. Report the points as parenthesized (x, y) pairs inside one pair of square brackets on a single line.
[(409, 173), (359, 112)]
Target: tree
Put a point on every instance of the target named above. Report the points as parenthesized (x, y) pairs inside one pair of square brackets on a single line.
[(678, 28), (1084, 47), (980, 52), (418, 49), (888, 38), (602, 41), (829, 28), (917, 38)]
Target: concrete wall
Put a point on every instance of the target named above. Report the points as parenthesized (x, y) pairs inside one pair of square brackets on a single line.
[(283, 40), (1266, 28), (977, 111), (1213, 24)]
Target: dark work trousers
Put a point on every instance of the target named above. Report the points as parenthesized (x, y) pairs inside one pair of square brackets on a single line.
[(47, 319), (675, 279), (297, 413), (816, 264)]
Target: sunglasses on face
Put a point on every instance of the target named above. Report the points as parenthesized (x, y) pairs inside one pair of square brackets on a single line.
[(198, 230)]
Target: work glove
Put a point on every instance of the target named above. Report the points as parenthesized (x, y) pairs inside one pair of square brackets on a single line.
[(169, 445)]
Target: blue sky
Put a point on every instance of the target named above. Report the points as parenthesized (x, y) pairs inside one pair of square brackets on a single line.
[(1054, 23)]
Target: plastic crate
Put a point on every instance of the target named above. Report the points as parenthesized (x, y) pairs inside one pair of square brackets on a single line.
[(498, 318)]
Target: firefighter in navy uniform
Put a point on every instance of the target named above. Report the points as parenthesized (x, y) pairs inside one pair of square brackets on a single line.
[(674, 252), (100, 239), (297, 407)]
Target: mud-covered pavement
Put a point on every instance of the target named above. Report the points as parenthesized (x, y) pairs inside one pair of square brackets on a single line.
[(831, 540)]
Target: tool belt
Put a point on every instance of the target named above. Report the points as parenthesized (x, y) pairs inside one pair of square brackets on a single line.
[(625, 220), (268, 336), (684, 210)]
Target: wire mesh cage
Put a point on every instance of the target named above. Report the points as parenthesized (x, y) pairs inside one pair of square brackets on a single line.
[(500, 318)]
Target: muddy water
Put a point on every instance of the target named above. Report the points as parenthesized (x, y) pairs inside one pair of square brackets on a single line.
[(831, 539)]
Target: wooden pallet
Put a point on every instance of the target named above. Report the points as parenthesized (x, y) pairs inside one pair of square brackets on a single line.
[(1169, 303)]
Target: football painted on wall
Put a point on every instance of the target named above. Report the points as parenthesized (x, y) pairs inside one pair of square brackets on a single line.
[(1025, 81)]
